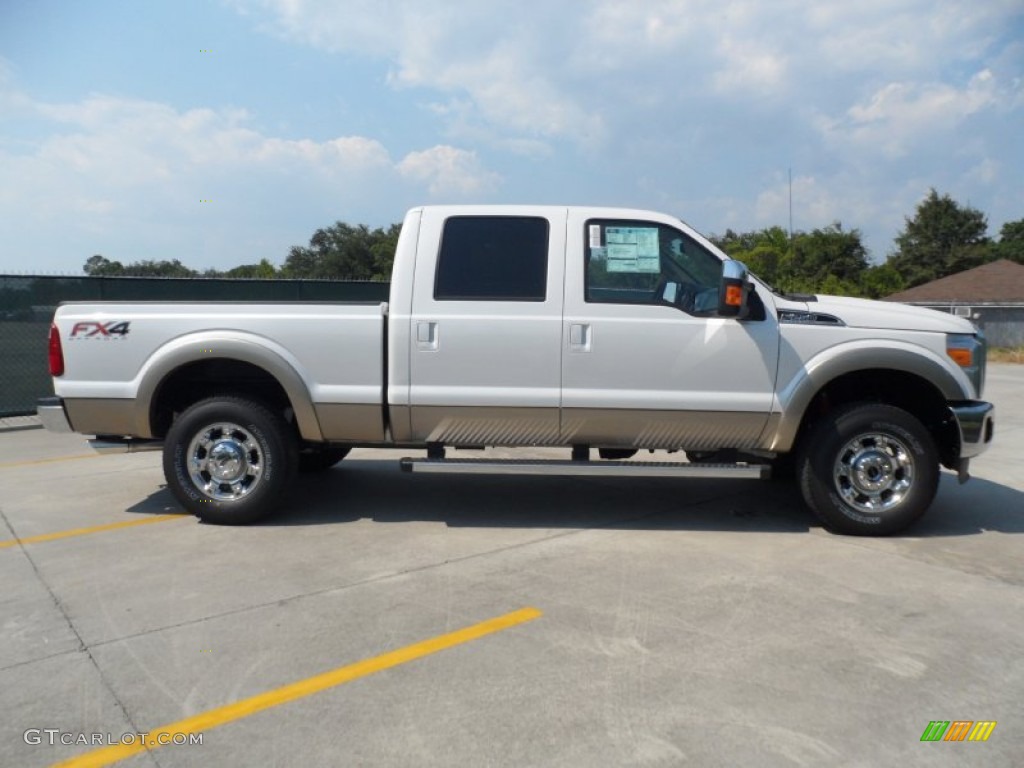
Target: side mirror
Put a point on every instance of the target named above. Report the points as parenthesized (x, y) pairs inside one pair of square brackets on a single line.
[(733, 290)]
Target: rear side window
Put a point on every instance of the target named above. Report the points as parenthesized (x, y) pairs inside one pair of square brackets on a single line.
[(493, 258)]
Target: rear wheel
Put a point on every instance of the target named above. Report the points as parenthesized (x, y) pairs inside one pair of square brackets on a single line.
[(230, 460), (871, 470)]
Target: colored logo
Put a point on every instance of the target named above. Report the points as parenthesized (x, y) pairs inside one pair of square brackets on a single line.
[(89, 329), (958, 730)]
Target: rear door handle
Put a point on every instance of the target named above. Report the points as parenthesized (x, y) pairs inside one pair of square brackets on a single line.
[(579, 337), (426, 334)]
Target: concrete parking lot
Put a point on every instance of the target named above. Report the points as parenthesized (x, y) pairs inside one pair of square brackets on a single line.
[(705, 623)]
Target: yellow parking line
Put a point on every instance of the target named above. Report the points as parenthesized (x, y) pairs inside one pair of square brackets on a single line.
[(31, 462), (92, 529), (165, 734)]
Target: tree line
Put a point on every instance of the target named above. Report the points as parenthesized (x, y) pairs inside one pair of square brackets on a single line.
[(941, 238)]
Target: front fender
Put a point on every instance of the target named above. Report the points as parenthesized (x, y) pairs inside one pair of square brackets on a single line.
[(231, 345), (794, 396)]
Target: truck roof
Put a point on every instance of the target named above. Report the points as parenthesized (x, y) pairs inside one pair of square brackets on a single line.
[(521, 209)]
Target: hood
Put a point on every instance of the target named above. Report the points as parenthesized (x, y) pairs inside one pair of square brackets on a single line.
[(890, 315)]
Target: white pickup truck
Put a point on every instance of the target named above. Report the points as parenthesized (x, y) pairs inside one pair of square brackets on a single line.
[(596, 329)]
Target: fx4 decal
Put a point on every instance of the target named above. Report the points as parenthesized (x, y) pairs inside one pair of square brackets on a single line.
[(89, 329)]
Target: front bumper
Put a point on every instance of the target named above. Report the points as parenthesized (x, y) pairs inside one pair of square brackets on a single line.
[(976, 420), (51, 412)]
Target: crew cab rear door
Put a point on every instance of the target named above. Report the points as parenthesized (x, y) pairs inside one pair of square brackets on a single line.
[(647, 362), (486, 326)]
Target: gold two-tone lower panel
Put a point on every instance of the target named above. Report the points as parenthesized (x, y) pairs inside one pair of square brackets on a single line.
[(350, 423), (599, 427), (485, 426), (102, 416), (691, 430)]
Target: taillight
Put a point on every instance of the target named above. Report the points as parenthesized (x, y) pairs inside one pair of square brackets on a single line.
[(56, 352)]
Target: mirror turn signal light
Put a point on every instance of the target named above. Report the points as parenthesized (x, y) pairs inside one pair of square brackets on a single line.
[(734, 295)]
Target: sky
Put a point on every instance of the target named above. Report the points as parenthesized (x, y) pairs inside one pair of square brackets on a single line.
[(224, 132)]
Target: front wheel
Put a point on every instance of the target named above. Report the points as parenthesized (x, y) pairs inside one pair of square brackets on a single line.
[(870, 470), (230, 460)]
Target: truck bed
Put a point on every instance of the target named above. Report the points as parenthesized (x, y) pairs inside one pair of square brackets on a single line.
[(116, 349)]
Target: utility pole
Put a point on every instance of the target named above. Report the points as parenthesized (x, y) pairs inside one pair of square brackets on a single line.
[(790, 211)]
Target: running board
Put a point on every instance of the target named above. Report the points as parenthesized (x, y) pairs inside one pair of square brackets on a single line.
[(585, 468), (109, 445)]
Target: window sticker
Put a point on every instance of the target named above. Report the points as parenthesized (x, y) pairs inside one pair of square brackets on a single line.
[(633, 249), (595, 235)]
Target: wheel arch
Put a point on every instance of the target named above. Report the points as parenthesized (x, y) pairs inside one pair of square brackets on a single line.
[(196, 366), (898, 375)]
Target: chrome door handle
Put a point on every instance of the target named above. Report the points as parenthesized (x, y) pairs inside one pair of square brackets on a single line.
[(426, 335), (579, 337)]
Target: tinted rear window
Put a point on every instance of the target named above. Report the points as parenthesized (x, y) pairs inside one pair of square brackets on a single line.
[(493, 258)]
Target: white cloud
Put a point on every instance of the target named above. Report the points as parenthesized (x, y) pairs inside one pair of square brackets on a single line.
[(909, 38), (449, 172), (482, 55), (817, 202), (692, 104), (985, 172), (136, 170), (115, 142), (347, 153), (897, 116), (531, 70), (748, 65)]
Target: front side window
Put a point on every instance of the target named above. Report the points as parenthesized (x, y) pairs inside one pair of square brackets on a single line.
[(643, 262), (493, 258)]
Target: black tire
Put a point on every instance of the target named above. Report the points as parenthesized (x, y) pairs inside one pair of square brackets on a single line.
[(254, 459), (320, 457), (869, 470), (783, 467)]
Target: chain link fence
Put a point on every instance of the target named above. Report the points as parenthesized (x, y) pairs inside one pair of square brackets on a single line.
[(27, 305)]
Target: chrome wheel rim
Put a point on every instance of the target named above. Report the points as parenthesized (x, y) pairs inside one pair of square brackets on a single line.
[(225, 461), (874, 472)]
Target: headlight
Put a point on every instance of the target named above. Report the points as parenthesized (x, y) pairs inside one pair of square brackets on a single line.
[(968, 351)]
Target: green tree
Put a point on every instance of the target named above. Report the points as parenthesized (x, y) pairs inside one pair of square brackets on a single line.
[(383, 249), (98, 266), (825, 260), (763, 251), (344, 252), (829, 255), (262, 271), (942, 238), (881, 280), (1011, 242), (150, 268), (833, 285)]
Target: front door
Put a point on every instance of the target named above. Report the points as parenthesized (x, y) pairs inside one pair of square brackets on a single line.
[(647, 362)]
